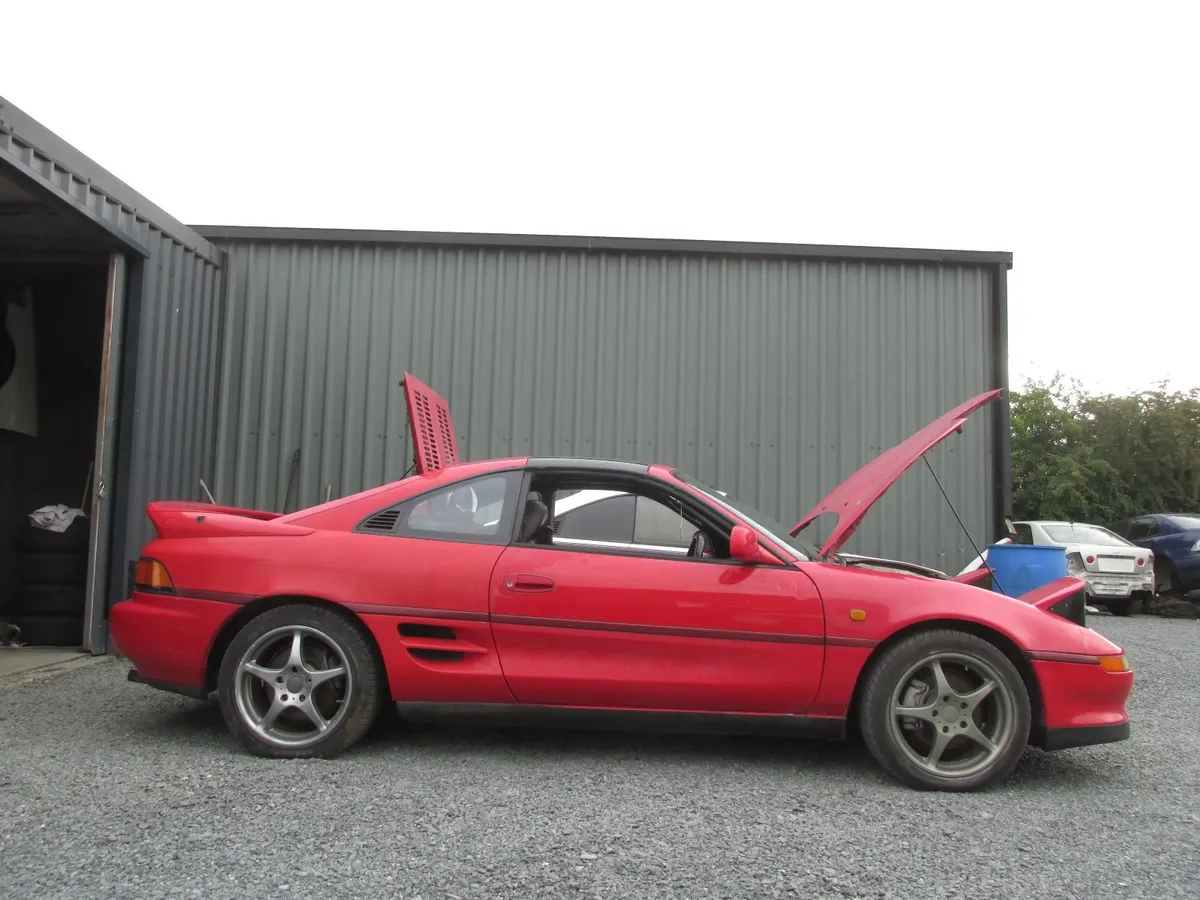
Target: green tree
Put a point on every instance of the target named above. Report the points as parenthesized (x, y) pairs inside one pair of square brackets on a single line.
[(1057, 473), (1101, 457), (1153, 440)]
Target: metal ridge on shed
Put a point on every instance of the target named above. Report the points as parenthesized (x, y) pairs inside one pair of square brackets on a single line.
[(220, 233), (36, 136)]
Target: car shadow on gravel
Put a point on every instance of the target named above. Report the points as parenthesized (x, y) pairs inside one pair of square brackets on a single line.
[(199, 724), (577, 744)]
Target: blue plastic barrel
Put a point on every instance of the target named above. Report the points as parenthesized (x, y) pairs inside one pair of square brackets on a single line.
[(1020, 568)]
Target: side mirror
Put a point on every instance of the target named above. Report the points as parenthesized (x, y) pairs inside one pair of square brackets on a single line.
[(743, 545)]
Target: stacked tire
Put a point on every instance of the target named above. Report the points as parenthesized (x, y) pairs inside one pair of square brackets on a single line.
[(51, 578)]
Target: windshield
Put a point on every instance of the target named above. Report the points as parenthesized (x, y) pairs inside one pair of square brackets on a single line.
[(778, 533), (1187, 523), (1064, 533)]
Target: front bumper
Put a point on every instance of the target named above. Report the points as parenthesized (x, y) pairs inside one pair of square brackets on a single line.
[(1084, 736), (1082, 703)]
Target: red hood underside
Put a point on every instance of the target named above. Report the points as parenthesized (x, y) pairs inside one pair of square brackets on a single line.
[(851, 499)]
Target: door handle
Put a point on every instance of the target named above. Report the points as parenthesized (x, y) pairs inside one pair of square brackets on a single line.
[(528, 583)]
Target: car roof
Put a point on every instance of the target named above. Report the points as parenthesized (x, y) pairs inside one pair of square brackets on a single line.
[(616, 466), (1059, 522)]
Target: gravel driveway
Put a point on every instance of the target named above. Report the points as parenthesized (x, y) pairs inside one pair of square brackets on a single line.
[(114, 790)]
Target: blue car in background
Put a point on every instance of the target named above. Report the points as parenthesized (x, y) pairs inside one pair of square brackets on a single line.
[(1174, 539)]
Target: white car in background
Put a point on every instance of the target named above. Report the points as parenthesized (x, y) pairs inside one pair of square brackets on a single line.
[(1119, 574)]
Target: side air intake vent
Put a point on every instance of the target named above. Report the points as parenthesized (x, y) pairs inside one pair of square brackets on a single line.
[(384, 522)]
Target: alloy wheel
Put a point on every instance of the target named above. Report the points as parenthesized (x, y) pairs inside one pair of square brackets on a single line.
[(951, 714), (293, 685)]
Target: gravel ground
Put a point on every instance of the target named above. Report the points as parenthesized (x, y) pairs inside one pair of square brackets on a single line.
[(115, 790)]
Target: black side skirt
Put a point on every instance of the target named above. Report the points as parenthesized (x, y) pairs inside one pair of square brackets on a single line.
[(1066, 738), (516, 715)]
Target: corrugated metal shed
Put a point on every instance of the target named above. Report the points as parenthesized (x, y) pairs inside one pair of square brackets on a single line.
[(771, 371), (64, 206)]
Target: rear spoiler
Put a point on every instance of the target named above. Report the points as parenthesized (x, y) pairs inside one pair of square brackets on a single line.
[(184, 519)]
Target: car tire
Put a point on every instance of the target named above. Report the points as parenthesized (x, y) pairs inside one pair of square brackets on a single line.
[(50, 631), (1126, 606), (1166, 579), (51, 600), (899, 744), (43, 540), (347, 704), (52, 567)]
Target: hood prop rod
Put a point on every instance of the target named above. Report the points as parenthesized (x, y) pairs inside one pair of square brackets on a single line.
[(961, 525)]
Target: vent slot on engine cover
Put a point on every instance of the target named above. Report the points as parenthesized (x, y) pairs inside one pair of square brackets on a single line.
[(436, 632), (437, 655), (383, 522)]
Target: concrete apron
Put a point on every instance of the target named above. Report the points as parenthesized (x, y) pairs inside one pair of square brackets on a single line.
[(21, 664)]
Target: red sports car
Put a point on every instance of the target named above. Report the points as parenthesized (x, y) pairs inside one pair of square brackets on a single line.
[(658, 601)]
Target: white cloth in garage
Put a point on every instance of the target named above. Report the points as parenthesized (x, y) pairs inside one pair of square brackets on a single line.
[(54, 518)]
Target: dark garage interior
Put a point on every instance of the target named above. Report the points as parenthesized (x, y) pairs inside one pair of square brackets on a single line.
[(53, 279)]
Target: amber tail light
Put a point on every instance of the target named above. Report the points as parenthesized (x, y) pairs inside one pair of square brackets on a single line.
[(151, 575)]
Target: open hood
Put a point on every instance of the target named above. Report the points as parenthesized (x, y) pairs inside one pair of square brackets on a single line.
[(851, 499), (432, 429)]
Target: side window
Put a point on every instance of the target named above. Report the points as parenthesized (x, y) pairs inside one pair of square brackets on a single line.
[(619, 517), (1024, 534), (477, 510), (609, 520), (661, 526), (1141, 529)]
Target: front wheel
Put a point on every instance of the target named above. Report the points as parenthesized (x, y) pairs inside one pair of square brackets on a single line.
[(299, 681), (945, 710)]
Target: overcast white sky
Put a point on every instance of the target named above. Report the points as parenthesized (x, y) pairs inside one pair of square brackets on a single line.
[(1064, 132)]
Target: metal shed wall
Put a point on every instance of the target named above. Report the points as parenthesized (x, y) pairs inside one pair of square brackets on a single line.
[(770, 371), (166, 429)]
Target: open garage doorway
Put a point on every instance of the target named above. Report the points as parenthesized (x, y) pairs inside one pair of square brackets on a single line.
[(61, 292)]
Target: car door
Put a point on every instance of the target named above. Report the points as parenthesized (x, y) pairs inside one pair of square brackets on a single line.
[(418, 573), (625, 627)]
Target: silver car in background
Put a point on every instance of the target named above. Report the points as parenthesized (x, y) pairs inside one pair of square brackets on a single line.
[(1119, 574)]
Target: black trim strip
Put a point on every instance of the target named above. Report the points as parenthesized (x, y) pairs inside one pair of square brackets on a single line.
[(677, 722), (1054, 656), (665, 630), (213, 596), (376, 609), (458, 615), (850, 642), (1066, 738)]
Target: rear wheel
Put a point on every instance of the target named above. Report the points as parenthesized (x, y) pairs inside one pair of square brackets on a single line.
[(1166, 579), (300, 681), (945, 710)]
